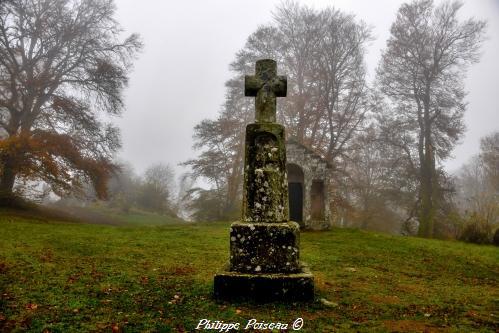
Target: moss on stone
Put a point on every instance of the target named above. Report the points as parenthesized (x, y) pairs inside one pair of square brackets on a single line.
[(265, 182)]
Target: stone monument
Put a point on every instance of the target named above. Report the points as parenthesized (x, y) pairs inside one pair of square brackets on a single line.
[(264, 247)]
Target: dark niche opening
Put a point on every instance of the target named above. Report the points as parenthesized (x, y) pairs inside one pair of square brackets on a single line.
[(295, 190), (317, 200)]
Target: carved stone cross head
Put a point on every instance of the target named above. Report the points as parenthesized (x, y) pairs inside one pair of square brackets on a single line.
[(265, 85)]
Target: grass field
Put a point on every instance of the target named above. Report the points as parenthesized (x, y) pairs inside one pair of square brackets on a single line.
[(73, 277)]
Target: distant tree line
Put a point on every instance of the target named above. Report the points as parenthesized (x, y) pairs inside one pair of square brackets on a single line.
[(155, 191), (477, 194)]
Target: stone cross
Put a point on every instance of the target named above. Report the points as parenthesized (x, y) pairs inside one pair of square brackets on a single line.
[(265, 85), (264, 260)]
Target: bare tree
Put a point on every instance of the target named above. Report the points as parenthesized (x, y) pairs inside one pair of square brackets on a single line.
[(298, 33), (339, 74), (221, 143), (370, 169), (124, 187), (61, 63), (489, 155), (422, 71), (478, 191), (157, 187)]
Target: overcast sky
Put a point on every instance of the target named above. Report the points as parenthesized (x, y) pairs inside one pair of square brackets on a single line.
[(178, 79)]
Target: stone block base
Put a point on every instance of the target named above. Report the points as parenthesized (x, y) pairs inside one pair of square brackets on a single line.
[(264, 247), (234, 286)]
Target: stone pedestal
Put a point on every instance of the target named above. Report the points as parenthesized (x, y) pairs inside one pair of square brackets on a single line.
[(267, 287), (264, 265)]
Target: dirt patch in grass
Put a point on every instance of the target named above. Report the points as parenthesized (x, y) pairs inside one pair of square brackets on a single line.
[(3, 267), (412, 326), (46, 255), (360, 286), (411, 288), (182, 270), (385, 299), (323, 283)]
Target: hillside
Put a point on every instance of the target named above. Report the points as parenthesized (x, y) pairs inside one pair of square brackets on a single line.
[(61, 277)]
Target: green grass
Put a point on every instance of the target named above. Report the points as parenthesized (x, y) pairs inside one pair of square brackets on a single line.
[(73, 277)]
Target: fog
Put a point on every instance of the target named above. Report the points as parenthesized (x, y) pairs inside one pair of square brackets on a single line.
[(178, 79)]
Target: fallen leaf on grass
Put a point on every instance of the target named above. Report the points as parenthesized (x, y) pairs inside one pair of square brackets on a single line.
[(183, 270), (31, 306), (328, 303), (471, 313), (176, 299), (385, 299)]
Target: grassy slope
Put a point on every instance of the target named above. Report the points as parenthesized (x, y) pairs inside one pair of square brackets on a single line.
[(101, 214), (80, 277)]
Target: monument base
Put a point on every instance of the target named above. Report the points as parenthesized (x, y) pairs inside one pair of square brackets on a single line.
[(264, 247), (235, 286)]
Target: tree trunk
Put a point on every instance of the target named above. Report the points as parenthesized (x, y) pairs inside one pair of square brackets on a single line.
[(7, 177), (426, 215), (234, 180), (427, 209)]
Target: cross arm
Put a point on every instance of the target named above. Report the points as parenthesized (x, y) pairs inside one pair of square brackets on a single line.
[(251, 85), (280, 86)]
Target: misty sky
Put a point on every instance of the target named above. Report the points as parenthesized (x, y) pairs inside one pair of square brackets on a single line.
[(178, 79)]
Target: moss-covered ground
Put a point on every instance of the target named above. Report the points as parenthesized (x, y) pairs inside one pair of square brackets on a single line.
[(75, 277)]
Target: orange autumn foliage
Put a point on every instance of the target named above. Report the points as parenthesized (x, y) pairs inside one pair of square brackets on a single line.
[(57, 159)]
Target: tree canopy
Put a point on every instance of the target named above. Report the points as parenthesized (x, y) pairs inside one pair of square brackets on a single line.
[(63, 65)]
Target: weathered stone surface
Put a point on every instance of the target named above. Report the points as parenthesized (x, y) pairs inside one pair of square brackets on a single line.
[(265, 247), (265, 191), (235, 286)]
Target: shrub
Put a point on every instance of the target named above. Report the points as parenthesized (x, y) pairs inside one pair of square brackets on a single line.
[(495, 240), (476, 231)]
